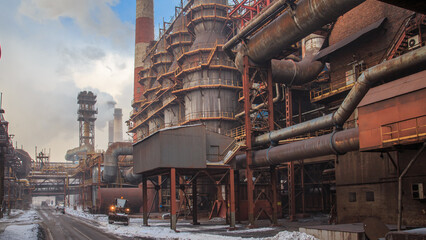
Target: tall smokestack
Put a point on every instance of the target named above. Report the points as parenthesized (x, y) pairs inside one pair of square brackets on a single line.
[(110, 131), (144, 35), (118, 125)]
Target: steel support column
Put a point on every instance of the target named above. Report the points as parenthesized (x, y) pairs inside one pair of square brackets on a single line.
[(291, 192), (159, 193), (232, 198), (248, 127), (173, 206), (274, 195), (145, 200), (270, 99), (194, 203), (288, 107), (271, 128)]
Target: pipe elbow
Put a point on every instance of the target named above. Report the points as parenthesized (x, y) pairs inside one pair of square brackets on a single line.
[(131, 177), (111, 159)]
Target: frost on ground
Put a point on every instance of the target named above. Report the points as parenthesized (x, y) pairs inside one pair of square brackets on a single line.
[(159, 229), (19, 232), (20, 216), (20, 225)]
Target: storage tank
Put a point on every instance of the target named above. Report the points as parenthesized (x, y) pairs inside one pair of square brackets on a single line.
[(210, 79)]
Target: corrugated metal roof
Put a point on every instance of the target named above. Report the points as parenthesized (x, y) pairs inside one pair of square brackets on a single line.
[(333, 48), (395, 88)]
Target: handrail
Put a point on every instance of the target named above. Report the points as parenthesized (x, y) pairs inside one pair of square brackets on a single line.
[(330, 89), (394, 132)]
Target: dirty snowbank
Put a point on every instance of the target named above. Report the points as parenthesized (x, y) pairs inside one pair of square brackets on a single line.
[(21, 225), (159, 229)]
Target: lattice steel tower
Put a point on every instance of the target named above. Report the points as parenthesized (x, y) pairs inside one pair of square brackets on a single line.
[(87, 117)]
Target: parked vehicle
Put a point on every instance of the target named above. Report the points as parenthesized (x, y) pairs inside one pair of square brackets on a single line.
[(119, 211), (60, 207)]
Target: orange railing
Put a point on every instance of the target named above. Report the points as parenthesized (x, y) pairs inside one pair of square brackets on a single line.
[(409, 130), (329, 90), (238, 133)]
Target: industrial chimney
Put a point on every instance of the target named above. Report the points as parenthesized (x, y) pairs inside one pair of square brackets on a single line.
[(118, 125), (110, 131), (143, 36)]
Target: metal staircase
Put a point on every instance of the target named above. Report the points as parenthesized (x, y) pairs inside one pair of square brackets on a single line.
[(409, 28)]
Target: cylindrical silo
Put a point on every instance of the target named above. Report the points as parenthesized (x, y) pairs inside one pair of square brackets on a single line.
[(210, 79), (179, 40)]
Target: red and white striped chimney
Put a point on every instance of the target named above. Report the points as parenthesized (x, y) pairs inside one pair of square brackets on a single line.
[(144, 35)]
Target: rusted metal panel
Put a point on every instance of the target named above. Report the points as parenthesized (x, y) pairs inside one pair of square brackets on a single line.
[(393, 113), (402, 86), (181, 147), (215, 145)]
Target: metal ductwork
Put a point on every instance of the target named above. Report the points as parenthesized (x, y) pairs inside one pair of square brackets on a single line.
[(334, 143), (131, 177), (291, 73), (404, 65), (254, 24), (111, 159), (292, 26), (72, 153)]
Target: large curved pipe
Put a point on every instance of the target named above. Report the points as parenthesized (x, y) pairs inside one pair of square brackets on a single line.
[(334, 143), (409, 63), (111, 159), (72, 153), (131, 177), (292, 26), (254, 25), (291, 73)]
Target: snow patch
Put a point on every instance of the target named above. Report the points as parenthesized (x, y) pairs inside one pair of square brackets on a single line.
[(19, 232), (285, 235), (159, 229)]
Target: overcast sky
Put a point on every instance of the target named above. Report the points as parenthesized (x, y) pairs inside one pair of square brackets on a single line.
[(53, 49)]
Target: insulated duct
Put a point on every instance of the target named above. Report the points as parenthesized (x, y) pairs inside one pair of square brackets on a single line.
[(334, 143), (111, 159), (131, 177), (75, 152), (292, 26), (254, 24), (291, 73), (407, 64)]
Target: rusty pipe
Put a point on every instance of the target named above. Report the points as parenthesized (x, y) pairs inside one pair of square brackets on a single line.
[(274, 100), (291, 73), (75, 152), (409, 63), (292, 26), (253, 26), (131, 177), (333, 143), (111, 159)]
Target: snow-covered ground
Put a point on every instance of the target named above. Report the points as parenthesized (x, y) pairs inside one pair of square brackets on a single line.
[(159, 229), (20, 225)]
